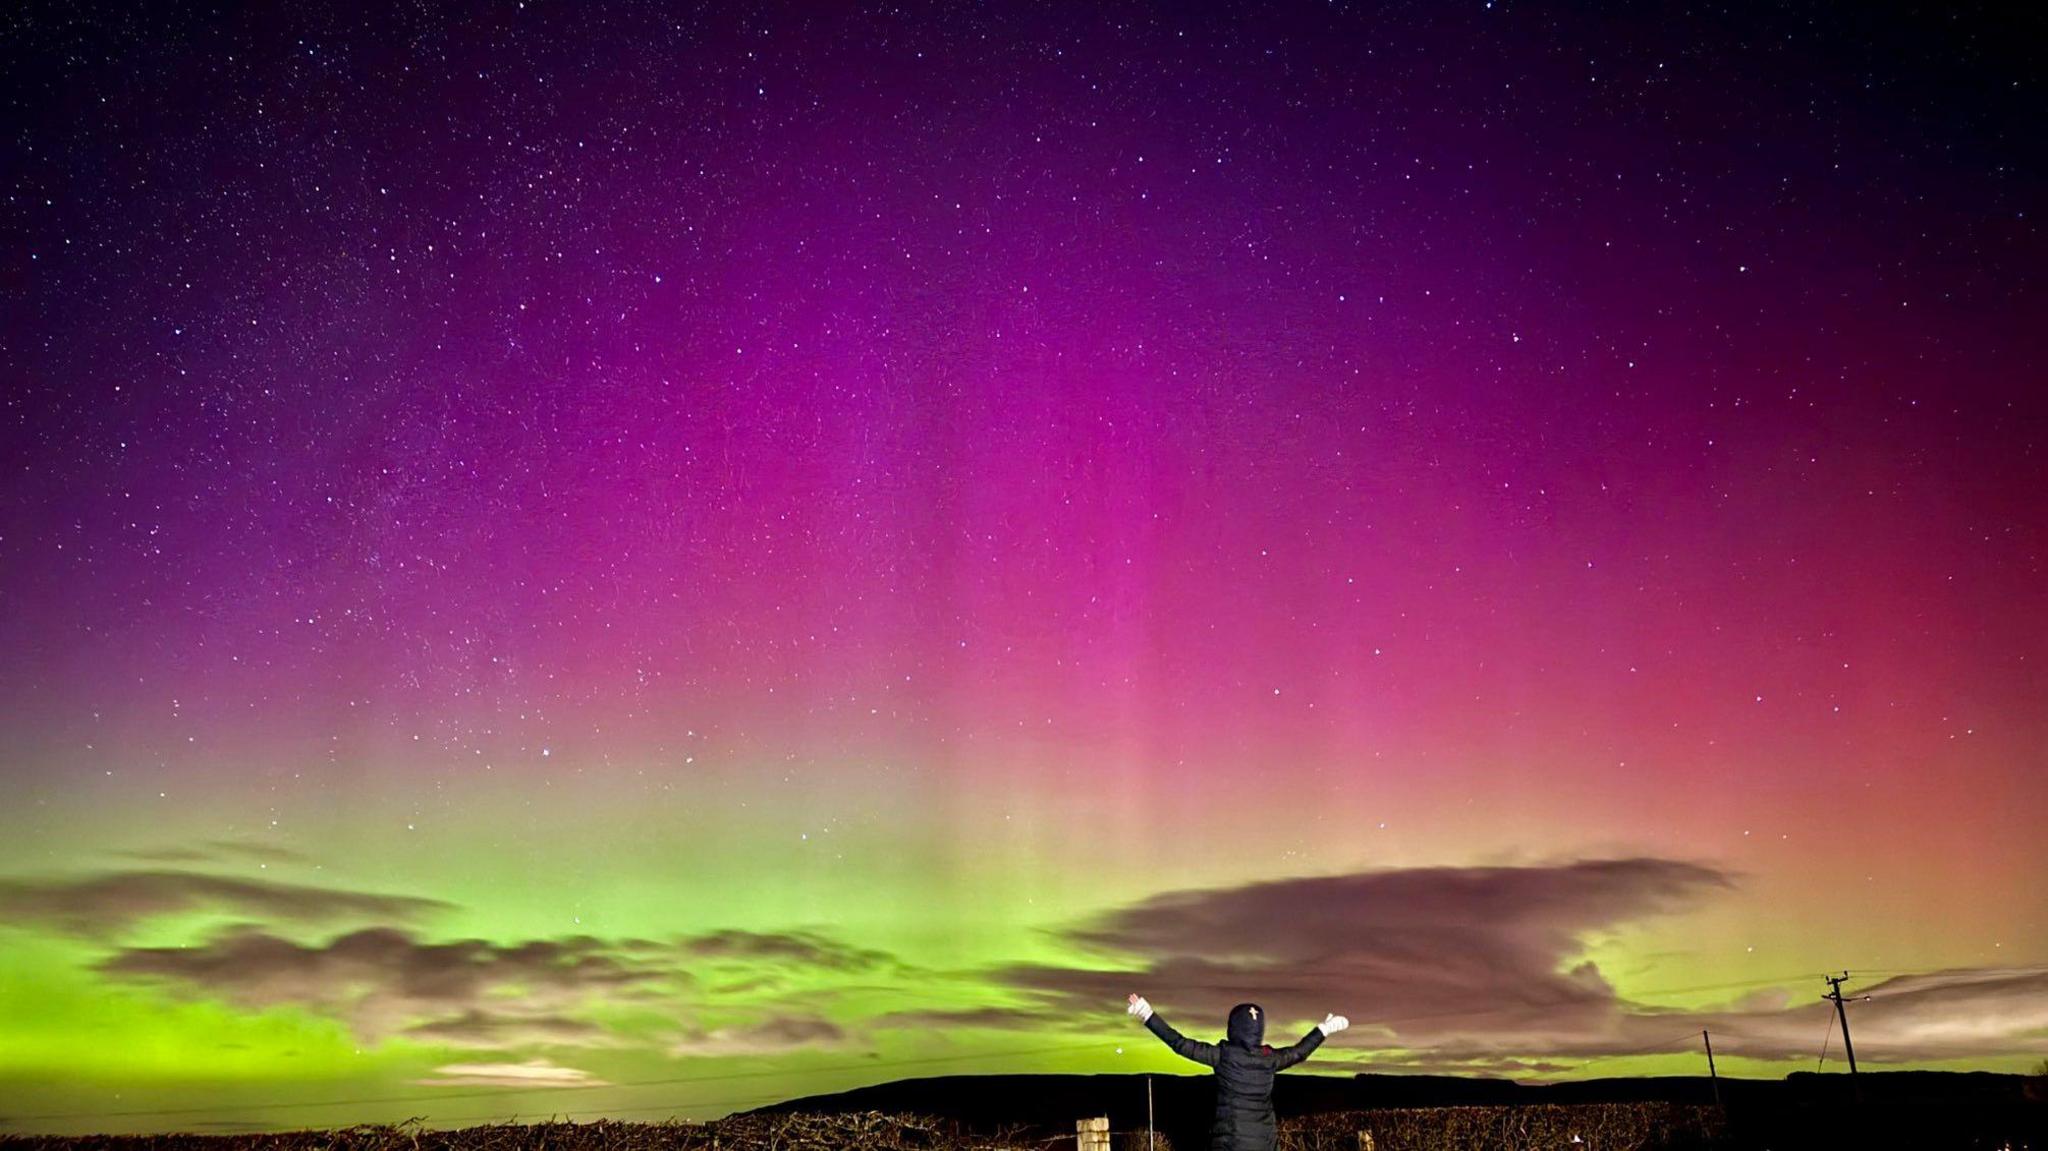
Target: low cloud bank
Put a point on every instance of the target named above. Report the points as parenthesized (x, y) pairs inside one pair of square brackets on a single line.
[(531, 1073), (1475, 967), (1442, 969)]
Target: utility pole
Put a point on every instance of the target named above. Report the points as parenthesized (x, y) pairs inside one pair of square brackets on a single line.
[(1834, 996), (1149, 1144), (1711, 1073)]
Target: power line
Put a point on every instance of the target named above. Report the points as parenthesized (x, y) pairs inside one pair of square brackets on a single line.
[(1741, 985), (1776, 980), (1662, 1046)]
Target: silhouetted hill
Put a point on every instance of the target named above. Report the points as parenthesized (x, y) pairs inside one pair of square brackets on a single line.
[(1956, 1109)]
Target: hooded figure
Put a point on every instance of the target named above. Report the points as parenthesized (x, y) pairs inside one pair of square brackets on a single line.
[(1244, 1070)]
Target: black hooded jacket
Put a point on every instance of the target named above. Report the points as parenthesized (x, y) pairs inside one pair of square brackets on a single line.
[(1244, 1075)]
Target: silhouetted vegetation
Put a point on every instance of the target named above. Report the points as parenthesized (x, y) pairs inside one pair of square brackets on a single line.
[(756, 1132), (1608, 1126), (1622, 1126)]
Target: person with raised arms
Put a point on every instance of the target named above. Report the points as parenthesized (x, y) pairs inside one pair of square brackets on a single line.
[(1245, 1067)]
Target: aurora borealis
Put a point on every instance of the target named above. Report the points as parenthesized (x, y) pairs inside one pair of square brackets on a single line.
[(623, 560)]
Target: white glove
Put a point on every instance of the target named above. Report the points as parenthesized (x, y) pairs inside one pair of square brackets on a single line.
[(1332, 1024), (1140, 1008)]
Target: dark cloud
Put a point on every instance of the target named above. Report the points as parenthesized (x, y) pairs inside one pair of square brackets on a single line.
[(995, 1018), (1965, 1014), (1459, 970), (220, 851), (773, 1035), (173, 855), (1400, 915), (384, 982), (1475, 967), (479, 1030), (799, 948), (1423, 953), (105, 905), (1912, 1018)]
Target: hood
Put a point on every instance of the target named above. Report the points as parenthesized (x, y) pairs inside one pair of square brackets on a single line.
[(1247, 1025)]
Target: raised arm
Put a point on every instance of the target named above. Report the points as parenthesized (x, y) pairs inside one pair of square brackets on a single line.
[(1195, 1049), (1306, 1045)]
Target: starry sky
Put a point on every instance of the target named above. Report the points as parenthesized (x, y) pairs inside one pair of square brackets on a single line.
[(633, 560)]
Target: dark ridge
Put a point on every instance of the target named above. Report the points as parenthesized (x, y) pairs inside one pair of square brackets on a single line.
[(1934, 1108)]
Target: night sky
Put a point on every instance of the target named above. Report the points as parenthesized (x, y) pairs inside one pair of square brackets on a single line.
[(603, 560)]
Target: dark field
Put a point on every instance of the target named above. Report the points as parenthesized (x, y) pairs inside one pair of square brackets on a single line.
[(1512, 1127)]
